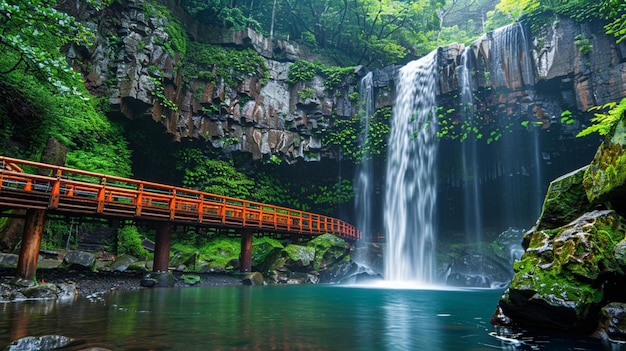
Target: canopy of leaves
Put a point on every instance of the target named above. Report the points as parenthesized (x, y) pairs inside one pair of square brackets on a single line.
[(43, 97), (31, 33)]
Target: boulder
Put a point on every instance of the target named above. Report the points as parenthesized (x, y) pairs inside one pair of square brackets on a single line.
[(560, 280), (41, 291), (79, 260), (8, 259), (122, 263), (158, 279), (328, 249), (264, 254), (41, 343), (565, 200), (298, 257), (612, 323), (605, 178), (254, 278)]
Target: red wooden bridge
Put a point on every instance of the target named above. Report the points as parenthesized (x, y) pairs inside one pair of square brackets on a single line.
[(42, 187)]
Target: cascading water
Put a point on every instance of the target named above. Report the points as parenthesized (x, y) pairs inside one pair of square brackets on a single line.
[(472, 218), (411, 194), (364, 174), (512, 69)]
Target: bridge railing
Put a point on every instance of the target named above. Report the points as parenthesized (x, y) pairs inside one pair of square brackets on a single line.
[(39, 185)]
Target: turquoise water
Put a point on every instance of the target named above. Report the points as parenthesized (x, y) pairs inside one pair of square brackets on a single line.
[(290, 317)]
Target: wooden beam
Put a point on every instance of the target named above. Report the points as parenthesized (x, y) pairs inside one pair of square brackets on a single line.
[(162, 247), (31, 243)]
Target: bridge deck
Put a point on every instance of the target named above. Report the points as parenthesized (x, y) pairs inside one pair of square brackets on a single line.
[(33, 185)]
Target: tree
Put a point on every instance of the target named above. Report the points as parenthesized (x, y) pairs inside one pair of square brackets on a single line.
[(31, 33)]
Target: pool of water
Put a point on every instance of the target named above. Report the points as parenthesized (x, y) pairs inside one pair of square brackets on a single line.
[(319, 317)]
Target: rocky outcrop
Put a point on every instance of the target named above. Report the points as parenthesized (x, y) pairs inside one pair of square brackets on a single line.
[(140, 61), (573, 266)]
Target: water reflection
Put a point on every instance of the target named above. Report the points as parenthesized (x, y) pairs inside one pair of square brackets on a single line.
[(276, 318)]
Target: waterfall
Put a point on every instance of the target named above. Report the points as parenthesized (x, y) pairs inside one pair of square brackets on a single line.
[(519, 151), (472, 204), (364, 173), (410, 196)]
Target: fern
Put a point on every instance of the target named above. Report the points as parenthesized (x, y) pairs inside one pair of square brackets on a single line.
[(603, 123)]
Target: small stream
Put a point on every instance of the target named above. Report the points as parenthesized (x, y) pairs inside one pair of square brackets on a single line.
[(286, 317)]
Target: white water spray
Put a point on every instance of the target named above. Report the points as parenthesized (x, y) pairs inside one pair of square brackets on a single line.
[(411, 194)]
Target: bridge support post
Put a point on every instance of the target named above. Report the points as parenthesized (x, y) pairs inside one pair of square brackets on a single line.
[(31, 243), (162, 247), (245, 259)]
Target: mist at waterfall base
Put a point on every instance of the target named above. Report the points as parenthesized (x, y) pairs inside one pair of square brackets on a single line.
[(438, 193)]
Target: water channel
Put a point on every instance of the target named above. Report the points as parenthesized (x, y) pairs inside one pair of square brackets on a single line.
[(287, 317)]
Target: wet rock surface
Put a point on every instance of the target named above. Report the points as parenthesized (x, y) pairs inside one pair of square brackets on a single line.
[(572, 274), (88, 283)]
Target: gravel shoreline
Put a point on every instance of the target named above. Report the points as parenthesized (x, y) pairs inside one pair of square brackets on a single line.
[(90, 283)]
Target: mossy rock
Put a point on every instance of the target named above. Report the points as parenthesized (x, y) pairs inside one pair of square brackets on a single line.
[(605, 177), (562, 271), (191, 279), (329, 249), (565, 201), (264, 253), (298, 257)]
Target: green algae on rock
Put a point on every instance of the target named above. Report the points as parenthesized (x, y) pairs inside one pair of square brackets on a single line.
[(561, 276)]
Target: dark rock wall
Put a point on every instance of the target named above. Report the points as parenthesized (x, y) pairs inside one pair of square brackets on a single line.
[(131, 51)]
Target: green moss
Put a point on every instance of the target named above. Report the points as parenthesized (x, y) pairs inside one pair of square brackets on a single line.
[(565, 201), (213, 63), (177, 41), (264, 252), (328, 249), (564, 266), (300, 255), (304, 71), (606, 173)]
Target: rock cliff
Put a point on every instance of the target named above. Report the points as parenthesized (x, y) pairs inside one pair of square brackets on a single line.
[(572, 274), (144, 64)]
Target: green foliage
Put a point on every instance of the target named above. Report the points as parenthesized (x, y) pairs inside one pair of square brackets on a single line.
[(213, 176), (583, 44), (336, 76), (219, 12), (43, 97), (159, 93), (219, 251), (306, 93), (566, 117), (94, 143), (376, 141), (605, 122), (214, 63), (31, 32), (617, 28), (129, 242), (304, 71), (344, 135), (333, 195), (176, 42)]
